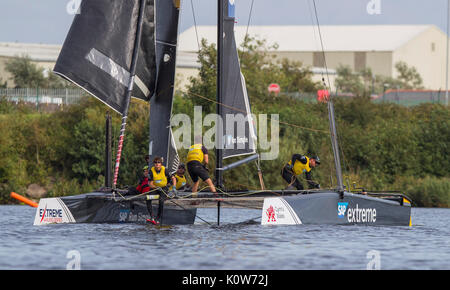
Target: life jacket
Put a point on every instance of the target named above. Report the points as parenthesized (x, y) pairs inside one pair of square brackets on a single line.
[(144, 186), (195, 153), (181, 181), (159, 178), (299, 167)]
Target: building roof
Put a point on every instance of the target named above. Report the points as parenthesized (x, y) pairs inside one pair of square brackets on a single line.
[(186, 59), (50, 52), (306, 37), (288, 38)]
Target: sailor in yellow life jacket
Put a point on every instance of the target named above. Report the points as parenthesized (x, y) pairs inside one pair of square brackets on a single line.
[(296, 166), (159, 176), (181, 182), (197, 155)]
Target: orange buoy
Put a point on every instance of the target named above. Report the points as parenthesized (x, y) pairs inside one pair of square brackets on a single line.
[(23, 199)]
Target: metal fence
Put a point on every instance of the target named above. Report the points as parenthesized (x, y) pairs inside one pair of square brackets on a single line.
[(43, 96), (411, 97), (306, 97), (400, 97), (72, 96)]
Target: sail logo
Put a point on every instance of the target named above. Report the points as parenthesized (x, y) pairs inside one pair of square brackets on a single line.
[(342, 208), (236, 131), (230, 140)]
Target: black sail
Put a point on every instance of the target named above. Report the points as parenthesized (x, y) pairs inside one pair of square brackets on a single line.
[(97, 52), (239, 136), (161, 139)]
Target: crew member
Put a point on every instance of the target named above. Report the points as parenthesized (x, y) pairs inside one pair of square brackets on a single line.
[(144, 185), (159, 178), (297, 165), (197, 155), (180, 177), (147, 160)]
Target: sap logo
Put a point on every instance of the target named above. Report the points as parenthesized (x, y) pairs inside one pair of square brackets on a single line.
[(123, 215), (362, 215), (342, 208)]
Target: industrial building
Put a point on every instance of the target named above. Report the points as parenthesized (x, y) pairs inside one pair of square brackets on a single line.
[(378, 47)]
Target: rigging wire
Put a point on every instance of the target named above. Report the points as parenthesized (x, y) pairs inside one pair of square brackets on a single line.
[(317, 47), (323, 50), (344, 163), (281, 122), (195, 24), (231, 107), (243, 46), (313, 25), (245, 37), (249, 18)]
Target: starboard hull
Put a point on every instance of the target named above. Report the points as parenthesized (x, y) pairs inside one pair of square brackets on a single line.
[(332, 208)]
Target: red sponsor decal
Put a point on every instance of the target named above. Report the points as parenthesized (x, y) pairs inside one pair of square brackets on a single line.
[(270, 212), (43, 214)]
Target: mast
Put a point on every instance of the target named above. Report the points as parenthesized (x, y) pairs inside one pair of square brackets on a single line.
[(219, 133), (134, 57), (161, 141), (334, 144)]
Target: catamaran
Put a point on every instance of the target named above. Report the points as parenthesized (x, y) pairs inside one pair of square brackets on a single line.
[(136, 57)]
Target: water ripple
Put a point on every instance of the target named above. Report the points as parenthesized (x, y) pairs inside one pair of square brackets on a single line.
[(245, 245)]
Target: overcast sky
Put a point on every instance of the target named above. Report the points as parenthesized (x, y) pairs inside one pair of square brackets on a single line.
[(47, 21)]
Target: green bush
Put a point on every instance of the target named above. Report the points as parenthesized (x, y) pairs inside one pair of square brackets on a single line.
[(426, 192), (64, 151), (383, 146)]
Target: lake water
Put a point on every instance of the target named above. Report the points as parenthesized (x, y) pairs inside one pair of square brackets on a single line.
[(241, 246)]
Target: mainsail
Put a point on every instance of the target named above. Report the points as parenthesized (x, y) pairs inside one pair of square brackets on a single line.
[(161, 140), (97, 52), (238, 128)]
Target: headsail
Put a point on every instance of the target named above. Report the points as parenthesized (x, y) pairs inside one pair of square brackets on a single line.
[(98, 49), (161, 139), (239, 131)]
